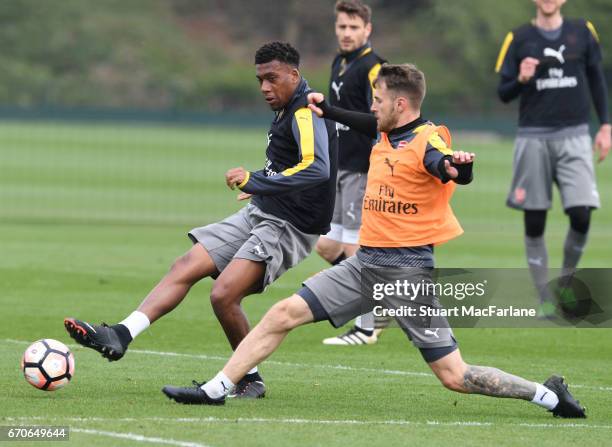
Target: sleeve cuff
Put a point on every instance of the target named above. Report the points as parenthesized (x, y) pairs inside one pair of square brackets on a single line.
[(245, 181), (442, 169), (465, 174)]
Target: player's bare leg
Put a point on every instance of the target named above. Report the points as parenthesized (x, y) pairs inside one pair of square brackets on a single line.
[(187, 270), (266, 337), (240, 278), (451, 370), (459, 376), (258, 345), (330, 249), (112, 342)]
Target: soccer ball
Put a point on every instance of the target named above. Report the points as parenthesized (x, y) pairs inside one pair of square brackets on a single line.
[(47, 364)]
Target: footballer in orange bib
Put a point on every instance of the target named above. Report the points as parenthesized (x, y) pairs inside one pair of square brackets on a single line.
[(404, 205), (406, 212)]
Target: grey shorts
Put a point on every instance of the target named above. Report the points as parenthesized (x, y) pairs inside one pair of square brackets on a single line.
[(566, 161), (346, 220), (257, 236), (338, 290)]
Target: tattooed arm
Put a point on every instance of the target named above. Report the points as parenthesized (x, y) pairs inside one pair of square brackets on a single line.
[(494, 382)]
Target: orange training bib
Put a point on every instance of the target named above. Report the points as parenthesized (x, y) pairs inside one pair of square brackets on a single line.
[(404, 205)]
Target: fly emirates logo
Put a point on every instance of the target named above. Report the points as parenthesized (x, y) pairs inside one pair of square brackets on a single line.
[(555, 78), (386, 203)]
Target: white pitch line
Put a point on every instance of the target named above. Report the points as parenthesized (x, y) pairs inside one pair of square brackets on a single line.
[(299, 421), (591, 387), (270, 362), (137, 438), (295, 365)]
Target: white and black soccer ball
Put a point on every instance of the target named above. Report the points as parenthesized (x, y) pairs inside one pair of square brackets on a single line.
[(47, 364)]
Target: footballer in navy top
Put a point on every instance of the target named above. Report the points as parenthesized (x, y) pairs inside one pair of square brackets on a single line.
[(298, 181), (570, 65)]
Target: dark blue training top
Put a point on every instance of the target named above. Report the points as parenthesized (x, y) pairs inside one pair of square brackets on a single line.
[(298, 182), (570, 67)]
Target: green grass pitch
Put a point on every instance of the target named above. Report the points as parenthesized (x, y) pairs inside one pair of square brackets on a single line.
[(91, 216)]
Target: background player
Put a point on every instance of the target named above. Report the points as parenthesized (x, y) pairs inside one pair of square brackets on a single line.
[(353, 71), (292, 205), (552, 63), (405, 194)]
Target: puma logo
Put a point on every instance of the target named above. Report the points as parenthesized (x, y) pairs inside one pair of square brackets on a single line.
[(391, 165), (434, 333), (336, 88), (258, 250), (556, 54), (225, 388), (534, 261), (342, 127)]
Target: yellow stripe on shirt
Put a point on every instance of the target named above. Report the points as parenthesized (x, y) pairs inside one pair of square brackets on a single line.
[(420, 128), (343, 66), (503, 51), (372, 75), (593, 31), (437, 142), (303, 117)]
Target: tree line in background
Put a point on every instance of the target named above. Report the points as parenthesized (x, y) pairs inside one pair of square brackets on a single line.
[(198, 54)]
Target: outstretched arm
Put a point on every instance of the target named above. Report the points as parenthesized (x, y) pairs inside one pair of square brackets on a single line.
[(441, 162), (364, 123)]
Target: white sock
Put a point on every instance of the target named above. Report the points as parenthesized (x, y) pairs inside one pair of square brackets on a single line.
[(544, 397), (252, 370), (219, 386), (136, 322)]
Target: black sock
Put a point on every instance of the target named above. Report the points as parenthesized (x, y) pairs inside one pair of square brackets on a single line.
[(253, 377), (123, 333), (339, 259), (367, 332)]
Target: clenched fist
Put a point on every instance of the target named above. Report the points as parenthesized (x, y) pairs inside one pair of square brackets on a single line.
[(527, 69), (235, 176)]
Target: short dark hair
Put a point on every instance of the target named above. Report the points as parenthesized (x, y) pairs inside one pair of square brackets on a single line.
[(354, 8), (406, 79), (277, 51)]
